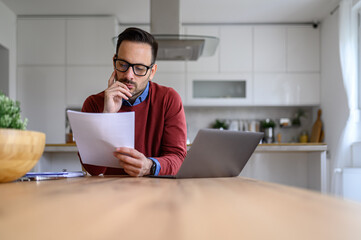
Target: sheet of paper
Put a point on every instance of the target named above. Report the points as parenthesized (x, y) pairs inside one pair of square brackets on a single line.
[(98, 134)]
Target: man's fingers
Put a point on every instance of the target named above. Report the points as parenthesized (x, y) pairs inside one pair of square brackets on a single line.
[(113, 93), (129, 151), (123, 87), (126, 159), (132, 170), (131, 173), (118, 86), (134, 162)]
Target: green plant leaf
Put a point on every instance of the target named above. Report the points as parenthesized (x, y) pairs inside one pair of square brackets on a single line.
[(268, 123), (10, 114)]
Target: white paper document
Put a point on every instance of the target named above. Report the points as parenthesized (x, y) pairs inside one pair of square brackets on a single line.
[(98, 134)]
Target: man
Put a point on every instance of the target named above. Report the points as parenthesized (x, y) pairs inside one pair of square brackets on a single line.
[(160, 126)]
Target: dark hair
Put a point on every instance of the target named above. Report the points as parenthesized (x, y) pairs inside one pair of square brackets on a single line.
[(138, 35)]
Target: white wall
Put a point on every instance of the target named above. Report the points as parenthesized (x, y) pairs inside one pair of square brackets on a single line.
[(8, 40), (333, 95), (4, 69)]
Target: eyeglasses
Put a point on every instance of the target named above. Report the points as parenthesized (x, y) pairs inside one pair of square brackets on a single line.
[(138, 69)]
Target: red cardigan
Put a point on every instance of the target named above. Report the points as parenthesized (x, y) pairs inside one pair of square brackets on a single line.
[(160, 128)]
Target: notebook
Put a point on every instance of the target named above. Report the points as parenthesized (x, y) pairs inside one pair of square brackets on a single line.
[(218, 153), (38, 176)]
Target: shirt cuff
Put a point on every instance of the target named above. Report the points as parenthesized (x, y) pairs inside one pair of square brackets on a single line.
[(157, 168)]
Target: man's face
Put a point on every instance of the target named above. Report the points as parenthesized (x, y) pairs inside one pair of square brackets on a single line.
[(135, 53)]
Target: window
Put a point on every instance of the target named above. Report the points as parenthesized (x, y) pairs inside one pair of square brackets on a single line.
[(359, 59)]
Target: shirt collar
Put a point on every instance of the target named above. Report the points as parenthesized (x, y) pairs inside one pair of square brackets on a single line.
[(140, 98)]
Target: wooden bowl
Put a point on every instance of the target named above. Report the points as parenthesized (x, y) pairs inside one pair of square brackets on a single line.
[(20, 150)]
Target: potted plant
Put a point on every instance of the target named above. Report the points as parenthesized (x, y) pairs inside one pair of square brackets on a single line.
[(20, 149), (268, 123), (296, 121), (10, 114), (220, 124)]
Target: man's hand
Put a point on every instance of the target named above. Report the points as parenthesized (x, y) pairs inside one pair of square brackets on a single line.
[(133, 161), (114, 94)]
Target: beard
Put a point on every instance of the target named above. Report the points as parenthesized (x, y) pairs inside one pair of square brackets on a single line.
[(136, 91)]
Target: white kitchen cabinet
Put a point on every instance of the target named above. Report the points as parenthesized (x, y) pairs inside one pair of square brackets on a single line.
[(41, 41), (270, 49), (302, 166), (89, 40), (303, 49), (286, 89), (61, 61), (83, 81), (219, 89), (40, 91), (204, 64), (173, 80), (236, 45), (286, 71), (286, 49)]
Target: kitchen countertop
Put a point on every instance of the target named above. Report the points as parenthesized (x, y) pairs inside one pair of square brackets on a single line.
[(265, 157), (292, 147), (150, 208), (273, 147), (61, 147)]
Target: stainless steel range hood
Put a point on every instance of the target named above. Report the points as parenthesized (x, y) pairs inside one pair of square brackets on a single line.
[(166, 28)]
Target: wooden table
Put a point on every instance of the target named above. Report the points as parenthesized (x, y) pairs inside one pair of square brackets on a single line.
[(149, 208)]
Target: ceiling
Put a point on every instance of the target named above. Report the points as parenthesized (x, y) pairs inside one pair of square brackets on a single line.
[(192, 11)]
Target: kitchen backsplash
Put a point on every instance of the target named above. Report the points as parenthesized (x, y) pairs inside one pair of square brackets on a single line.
[(205, 117)]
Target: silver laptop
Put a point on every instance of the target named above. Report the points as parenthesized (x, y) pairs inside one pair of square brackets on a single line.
[(218, 153)]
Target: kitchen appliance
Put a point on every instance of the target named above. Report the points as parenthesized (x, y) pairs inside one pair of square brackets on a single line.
[(268, 135), (268, 126), (166, 28)]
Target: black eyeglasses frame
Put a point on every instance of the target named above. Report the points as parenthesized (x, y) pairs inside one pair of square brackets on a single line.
[(132, 65)]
